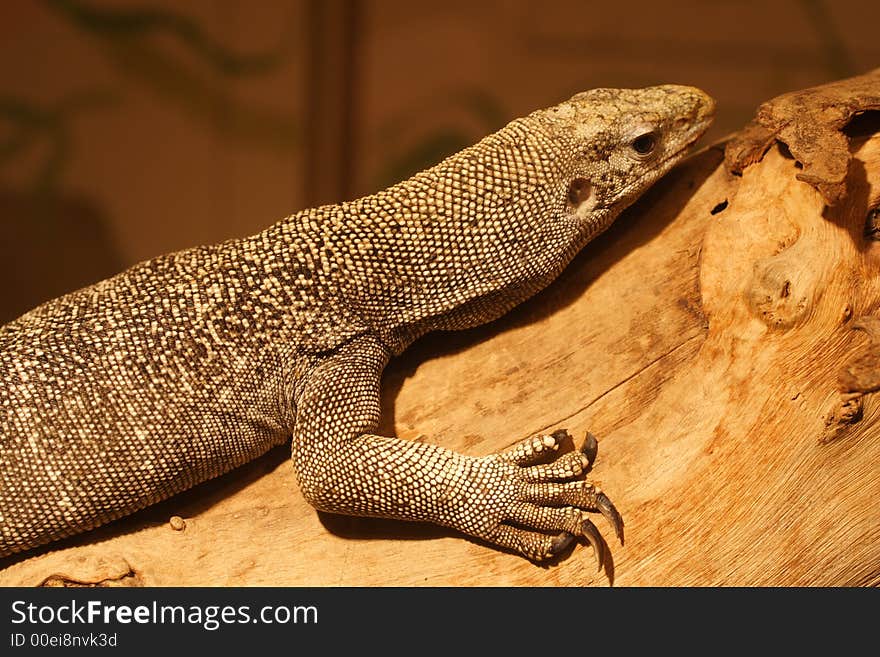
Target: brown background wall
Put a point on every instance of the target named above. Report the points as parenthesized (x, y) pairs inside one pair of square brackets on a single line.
[(130, 128)]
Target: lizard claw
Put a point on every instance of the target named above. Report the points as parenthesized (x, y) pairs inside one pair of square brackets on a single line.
[(590, 448), (561, 543), (611, 514), (591, 533)]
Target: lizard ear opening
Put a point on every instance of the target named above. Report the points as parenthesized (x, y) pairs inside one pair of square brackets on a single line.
[(581, 196)]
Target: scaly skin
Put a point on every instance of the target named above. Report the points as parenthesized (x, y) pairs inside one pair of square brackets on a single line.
[(183, 367)]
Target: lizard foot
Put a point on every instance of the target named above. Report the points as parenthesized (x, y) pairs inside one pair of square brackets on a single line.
[(546, 502)]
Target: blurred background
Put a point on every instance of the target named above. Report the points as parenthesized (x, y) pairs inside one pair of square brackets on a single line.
[(131, 128)]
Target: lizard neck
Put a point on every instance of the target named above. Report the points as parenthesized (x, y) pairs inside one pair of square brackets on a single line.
[(454, 246)]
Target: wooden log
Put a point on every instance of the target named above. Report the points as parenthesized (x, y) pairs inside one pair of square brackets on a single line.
[(721, 342)]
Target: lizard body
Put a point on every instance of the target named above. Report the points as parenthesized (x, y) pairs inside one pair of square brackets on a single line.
[(183, 367)]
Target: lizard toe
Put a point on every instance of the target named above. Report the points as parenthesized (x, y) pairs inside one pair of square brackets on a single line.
[(580, 493), (569, 520), (567, 466), (534, 449), (535, 546)]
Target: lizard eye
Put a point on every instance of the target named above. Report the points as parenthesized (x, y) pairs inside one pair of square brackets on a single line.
[(644, 144)]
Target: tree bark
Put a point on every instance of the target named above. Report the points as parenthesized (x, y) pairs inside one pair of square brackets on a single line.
[(721, 341)]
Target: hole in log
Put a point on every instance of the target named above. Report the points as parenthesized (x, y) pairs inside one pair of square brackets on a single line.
[(872, 225), (720, 207), (785, 151), (863, 124)]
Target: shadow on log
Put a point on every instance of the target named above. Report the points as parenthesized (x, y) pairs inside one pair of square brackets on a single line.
[(720, 340)]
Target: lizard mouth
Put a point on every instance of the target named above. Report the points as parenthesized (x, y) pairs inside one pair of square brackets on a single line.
[(697, 131)]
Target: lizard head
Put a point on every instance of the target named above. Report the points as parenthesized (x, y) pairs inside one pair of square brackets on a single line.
[(620, 141)]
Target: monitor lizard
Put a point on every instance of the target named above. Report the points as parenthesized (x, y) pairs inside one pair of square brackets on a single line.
[(185, 366)]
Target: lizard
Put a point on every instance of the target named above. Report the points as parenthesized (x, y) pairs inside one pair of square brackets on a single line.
[(185, 366)]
